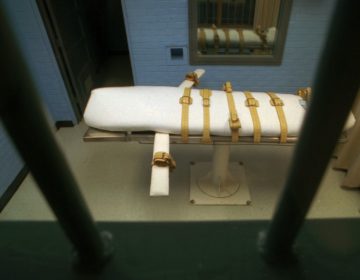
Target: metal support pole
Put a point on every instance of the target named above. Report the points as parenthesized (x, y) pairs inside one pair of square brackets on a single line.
[(336, 84), (25, 122), (220, 164)]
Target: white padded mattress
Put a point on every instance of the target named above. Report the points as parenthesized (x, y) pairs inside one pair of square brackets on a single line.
[(250, 37), (154, 108)]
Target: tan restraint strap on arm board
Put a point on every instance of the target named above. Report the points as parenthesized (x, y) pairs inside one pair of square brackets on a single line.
[(205, 94), (234, 121), (163, 159), (185, 101), (252, 103), (278, 104)]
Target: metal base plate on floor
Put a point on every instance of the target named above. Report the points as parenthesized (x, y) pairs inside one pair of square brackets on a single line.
[(198, 197)]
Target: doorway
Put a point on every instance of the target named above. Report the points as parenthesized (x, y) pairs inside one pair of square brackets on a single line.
[(90, 44)]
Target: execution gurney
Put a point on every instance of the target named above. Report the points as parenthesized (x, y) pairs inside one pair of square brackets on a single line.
[(164, 115)]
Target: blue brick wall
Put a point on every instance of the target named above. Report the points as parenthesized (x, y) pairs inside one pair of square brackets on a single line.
[(154, 25), (35, 45), (31, 35)]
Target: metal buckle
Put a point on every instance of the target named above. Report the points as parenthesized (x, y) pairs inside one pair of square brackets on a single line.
[(276, 102), (193, 77), (206, 102), (304, 93), (234, 121), (251, 102), (205, 94), (186, 100), (163, 159), (227, 87)]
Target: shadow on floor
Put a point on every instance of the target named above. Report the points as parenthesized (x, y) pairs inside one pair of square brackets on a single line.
[(208, 250)]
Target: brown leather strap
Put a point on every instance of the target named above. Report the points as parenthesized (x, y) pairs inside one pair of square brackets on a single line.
[(227, 38), (163, 159), (252, 103), (278, 104), (304, 93), (205, 94), (262, 35), (241, 39), (185, 101), (234, 121), (193, 77)]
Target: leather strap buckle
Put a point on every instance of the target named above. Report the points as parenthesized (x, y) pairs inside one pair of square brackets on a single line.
[(227, 87), (193, 77), (186, 100), (251, 102), (163, 159), (206, 97), (234, 122), (206, 102), (276, 102)]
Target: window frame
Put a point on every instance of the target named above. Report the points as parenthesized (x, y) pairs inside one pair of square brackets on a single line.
[(274, 59)]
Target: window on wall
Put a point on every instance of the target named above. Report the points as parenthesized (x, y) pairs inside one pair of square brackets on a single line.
[(226, 12), (237, 31)]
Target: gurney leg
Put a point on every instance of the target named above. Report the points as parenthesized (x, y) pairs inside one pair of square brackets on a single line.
[(220, 164), (219, 182)]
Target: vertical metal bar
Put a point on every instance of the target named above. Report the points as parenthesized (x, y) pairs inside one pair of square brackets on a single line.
[(218, 12), (336, 84), (243, 5), (208, 11), (213, 16), (249, 17), (233, 20), (25, 121)]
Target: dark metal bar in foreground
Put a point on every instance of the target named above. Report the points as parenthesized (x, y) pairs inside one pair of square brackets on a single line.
[(25, 121), (335, 88)]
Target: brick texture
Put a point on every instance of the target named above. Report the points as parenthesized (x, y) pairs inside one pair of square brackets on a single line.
[(154, 25), (35, 46)]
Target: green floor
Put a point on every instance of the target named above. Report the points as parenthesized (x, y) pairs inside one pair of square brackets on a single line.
[(223, 250)]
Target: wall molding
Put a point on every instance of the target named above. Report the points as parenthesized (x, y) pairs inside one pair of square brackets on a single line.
[(13, 187), (60, 124)]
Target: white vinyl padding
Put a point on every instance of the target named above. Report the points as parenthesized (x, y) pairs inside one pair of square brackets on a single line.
[(159, 185), (250, 37), (155, 108)]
